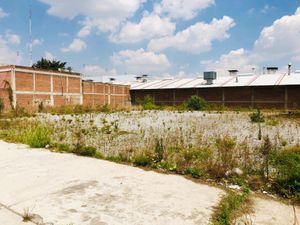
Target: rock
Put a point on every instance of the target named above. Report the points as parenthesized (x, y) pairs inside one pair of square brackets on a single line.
[(228, 173), (237, 171), (236, 187)]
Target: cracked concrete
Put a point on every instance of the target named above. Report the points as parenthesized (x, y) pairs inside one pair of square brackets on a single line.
[(67, 189)]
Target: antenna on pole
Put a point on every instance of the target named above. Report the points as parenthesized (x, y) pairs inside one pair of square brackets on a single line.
[(30, 35)]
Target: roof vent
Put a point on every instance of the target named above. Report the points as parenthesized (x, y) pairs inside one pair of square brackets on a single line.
[(209, 77), (233, 72), (272, 70), (289, 69), (144, 78), (112, 80)]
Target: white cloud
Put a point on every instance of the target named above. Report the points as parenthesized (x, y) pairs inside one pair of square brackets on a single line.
[(7, 55), (281, 40), (182, 9), (49, 56), (95, 71), (12, 38), (77, 45), (238, 59), (141, 61), (36, 42), (3, 13), (266, 9), (196, 38), (150, 26), (106, 15), (85, 30)]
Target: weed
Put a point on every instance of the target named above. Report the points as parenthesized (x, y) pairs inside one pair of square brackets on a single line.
[(37, 136), (1, 106), (27, 215), (286, 163), (228, 208), (62, 147), (225, 156), (167, 165), (257, 117), (147, 103), (114, 158), (265, 150), (85, 151), (159, 150), (194, 172), (272, 122), (142, 159)]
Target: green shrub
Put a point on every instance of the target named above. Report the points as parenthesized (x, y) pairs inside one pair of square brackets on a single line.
[(194, 172), (229, 205), (142, 159), (62, 147), (225, 157), (85, 151), (286, 163), (37, 136), (168, 165), (257, 117), (159, 150), (41, 107), (196, 103), (147, 103)]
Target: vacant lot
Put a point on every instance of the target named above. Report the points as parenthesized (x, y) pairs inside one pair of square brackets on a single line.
[(227, 149)]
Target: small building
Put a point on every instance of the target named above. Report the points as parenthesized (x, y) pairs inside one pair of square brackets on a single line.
[(28, 87), (270, 90)]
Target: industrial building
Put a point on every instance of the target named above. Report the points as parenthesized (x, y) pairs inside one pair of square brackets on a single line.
[(269, 90), (28, 87)]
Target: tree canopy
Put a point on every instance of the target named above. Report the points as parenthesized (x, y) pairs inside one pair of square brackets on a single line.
[(51, 65)]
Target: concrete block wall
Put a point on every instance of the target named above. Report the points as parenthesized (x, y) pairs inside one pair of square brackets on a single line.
[(31, 87)]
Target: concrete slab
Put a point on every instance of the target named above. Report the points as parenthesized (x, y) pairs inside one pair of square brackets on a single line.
[(270, 212), (68, 189), (9, 218)]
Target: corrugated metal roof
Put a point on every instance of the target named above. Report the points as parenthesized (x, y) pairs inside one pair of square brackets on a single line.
[(228, 81)]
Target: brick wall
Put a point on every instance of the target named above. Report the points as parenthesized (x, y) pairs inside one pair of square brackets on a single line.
[(255, 97), (102, 93)]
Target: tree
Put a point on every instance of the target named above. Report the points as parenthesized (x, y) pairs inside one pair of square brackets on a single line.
[(50, 65)]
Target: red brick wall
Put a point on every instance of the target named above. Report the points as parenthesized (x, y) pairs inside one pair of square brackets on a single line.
[(59, 84), (42, 83), (74, 85), (24, 81), (263, 97), (25, 100), (100, 93), (294, 97), (4, 76)]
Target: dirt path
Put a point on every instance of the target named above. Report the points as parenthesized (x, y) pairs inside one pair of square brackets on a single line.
[(67, 189)]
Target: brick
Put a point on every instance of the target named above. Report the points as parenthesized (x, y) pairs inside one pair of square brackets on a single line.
[(42, 83), (24, 81)]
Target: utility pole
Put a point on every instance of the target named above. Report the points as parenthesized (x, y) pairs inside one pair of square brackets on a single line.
[(30, 36)]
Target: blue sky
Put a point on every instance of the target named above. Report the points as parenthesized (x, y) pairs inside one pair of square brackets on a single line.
[(157, 37)]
